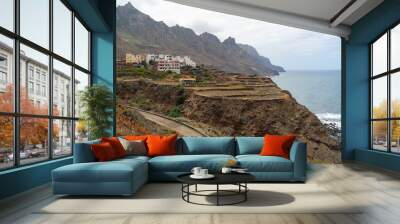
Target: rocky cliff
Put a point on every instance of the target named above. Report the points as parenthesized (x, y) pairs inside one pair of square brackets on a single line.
[(139, 33), (243, 117)]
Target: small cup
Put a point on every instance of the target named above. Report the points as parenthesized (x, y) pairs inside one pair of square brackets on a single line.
[(196, 171), (226, 170), (203, 172)]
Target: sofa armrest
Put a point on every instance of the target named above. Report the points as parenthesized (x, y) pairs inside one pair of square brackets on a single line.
[(83, 152), (298, 155)]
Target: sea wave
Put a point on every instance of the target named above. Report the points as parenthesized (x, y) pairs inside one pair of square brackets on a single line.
[(330, 118)]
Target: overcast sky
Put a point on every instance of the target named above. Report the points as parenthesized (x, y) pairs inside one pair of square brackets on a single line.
[(292, 48)]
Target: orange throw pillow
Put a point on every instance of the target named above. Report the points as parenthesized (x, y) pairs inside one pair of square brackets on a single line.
[(116, 145), (103, 152), (136, 137), (277, 145), (161, 145)]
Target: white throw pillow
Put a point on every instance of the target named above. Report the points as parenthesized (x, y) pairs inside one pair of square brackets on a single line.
[(136, 147)]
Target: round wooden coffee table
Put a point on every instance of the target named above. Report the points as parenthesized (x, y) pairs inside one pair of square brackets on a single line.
[(238, 179)]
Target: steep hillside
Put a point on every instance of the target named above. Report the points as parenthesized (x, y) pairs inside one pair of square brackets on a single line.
[(139, 33), (230, 105)]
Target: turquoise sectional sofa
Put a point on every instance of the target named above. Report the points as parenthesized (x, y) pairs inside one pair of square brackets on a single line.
[(125, 176)]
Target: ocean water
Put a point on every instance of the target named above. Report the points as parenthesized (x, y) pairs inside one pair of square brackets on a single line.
[(319, 91)]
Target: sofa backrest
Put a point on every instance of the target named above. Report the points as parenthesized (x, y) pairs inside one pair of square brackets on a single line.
[(249, 145), (83, 152), (206, 145), (190, 146)]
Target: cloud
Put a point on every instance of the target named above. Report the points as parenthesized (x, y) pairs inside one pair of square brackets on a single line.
[(202, 26), (290, 47)]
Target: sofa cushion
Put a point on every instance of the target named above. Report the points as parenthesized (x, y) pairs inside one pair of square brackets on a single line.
[(257, 163), (112, 171), (103, 152), (116, 145), (249, 145), (136, 137), (185, 163), (277, 145), (134, 147), (207, 145), (159, 145)]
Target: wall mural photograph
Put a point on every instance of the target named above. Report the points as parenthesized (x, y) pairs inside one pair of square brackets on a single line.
[(203, 73)]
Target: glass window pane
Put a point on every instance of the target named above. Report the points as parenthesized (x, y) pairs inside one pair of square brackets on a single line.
[(35, 21), (379, 97), (62, 138), (62, 89), (81, 131), (34, 97), (81, 45), (395, 136), (81, 82), (395, 94), (6, 142), (33, 139), (379, 55), (379, 135), (6, 74), (395, 47), (7, 14), (62, 29)]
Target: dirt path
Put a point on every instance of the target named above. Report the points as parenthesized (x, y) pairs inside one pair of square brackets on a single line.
[(180, 128)]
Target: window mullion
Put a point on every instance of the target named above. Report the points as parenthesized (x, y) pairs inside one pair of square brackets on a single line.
[(371, 140), (73, 82), (50, 82), (389, 104), (16, 85)]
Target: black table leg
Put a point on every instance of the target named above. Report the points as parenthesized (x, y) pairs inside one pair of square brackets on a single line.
[(182, 190), (217, 194), (245, 193), (195, 188), (188, 190)]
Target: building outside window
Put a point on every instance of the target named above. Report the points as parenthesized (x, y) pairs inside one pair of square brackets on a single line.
[(3, 78), (55, 97), (3, 72), (3, 81), (38, 89), (30, 72), (37, 74), (43, 90), (30, 87), (3, 61)]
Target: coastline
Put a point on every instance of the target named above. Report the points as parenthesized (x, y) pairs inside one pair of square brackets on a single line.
[(327, 105)]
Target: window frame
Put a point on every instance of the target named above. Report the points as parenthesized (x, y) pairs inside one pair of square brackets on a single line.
[(388, 74), (16, 114)]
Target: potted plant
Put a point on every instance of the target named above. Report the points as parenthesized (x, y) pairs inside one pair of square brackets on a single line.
[(96, 102)]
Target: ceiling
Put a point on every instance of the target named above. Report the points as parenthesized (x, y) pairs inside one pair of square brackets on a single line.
[(325, 16)]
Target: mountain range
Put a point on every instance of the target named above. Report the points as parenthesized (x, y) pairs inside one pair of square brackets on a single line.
[(138, 33)]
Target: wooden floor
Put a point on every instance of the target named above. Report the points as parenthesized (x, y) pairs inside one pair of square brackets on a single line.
[(379, 189)]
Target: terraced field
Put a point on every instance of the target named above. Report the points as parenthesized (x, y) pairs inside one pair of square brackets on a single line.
[(242, 87)]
